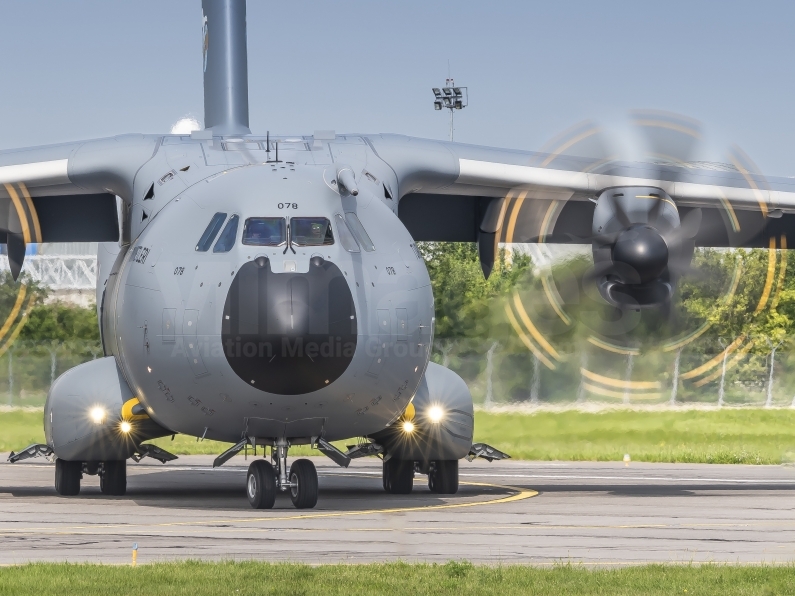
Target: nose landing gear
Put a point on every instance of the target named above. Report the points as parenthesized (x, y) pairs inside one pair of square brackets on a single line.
[(262, 480)]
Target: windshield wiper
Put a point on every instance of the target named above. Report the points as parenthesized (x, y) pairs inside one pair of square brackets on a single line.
[(289, 241)]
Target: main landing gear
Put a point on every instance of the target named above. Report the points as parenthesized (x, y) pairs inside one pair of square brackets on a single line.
[(263, 480), (398, 476), (112, 476)]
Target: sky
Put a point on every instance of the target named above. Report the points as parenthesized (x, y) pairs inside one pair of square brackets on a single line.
[(88, 68)]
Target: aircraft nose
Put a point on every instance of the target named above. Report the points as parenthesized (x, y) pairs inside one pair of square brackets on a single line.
[(289, 333)]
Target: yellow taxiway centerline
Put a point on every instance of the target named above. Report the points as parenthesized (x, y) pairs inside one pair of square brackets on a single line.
[(520, 495)]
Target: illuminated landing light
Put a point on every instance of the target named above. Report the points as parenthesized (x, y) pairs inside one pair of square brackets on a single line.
[(408, 427), (435, 414), (97, 414), (149, 368), (125, 427)]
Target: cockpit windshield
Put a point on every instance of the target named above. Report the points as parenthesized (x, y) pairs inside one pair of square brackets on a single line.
[(311, 231), (265, 231)]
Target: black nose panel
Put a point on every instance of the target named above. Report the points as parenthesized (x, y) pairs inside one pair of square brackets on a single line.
[(289, 333)]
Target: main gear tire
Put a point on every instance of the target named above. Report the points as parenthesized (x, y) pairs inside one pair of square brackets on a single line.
[(443, 477), (398, 476), (303, 484), (67, 477), (113, 478), (261, 485)]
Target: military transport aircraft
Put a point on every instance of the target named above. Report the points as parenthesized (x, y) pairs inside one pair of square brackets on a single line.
[(266, 290)]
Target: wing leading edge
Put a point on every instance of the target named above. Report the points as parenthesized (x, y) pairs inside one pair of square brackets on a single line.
[(456, 192)]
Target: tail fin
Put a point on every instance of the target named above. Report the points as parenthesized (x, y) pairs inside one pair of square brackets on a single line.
[(225, 66)]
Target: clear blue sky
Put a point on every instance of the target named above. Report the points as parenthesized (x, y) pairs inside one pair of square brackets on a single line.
[(84, 69)]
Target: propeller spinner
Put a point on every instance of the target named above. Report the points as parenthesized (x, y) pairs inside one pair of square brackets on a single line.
[(639, 246)]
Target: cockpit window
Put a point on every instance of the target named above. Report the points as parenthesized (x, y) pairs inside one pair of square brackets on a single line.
[(346, 237), (227, 239), (310, 231), (359, 232), (209, 234), (265, 231)]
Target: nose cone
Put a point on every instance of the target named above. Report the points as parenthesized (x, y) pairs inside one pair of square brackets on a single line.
[(289, 333), (643, 249)]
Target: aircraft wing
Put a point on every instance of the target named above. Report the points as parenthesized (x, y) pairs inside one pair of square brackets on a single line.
[(457, 192), (67, 192)]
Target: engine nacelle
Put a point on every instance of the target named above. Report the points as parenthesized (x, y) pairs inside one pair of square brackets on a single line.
[(443, 423), (92, 415), (640, 245)]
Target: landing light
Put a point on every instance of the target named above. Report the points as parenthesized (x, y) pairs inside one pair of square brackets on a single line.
[(408, 427), (435, 414), (125, 426), (97, 414)]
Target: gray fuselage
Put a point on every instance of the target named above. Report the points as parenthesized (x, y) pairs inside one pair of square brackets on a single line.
[(296, 339)]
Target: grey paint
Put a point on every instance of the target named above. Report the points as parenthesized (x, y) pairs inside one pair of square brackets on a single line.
[(68, 427), (448, 439), (225, 66)]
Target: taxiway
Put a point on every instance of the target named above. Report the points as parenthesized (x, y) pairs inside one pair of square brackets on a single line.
[(510, 512)]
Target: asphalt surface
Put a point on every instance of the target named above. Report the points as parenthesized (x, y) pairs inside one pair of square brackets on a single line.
[(528, 512)]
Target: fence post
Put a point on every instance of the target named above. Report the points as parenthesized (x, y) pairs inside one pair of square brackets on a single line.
[(628, 379), (723, 373), (583, 366), (675, 386), (53, 362), (769, 400), (446, 347), (10, 375), (489, 371), (535, 388)]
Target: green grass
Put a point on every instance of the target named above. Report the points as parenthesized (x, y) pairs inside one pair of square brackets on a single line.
[(749, 436), (455, 578), (20, 428), (185, 445), (727, 436)]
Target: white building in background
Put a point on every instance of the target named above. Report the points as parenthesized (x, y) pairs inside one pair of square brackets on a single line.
[(68, 270)]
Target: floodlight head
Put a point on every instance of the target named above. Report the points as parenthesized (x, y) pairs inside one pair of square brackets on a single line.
[(458, 104), (436, 92), (447, 91), (437, 105), (448, 103), (457, 91)]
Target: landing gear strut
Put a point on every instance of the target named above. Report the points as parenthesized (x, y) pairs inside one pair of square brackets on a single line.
[(263, 480)]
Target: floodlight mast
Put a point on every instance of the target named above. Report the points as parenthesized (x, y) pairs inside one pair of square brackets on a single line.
[(450, 97)]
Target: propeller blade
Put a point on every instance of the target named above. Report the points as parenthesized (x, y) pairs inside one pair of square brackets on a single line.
[(16, 253), (622, 216), (670, 140), (656, 211), (690, 224)]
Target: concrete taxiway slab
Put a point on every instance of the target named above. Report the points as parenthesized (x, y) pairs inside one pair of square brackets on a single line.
[(528, 512)]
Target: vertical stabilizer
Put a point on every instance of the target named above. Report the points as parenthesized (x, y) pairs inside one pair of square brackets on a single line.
[(225, 66)]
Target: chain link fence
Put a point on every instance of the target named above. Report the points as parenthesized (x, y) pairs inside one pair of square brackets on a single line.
[(709, 373), (499, 372)]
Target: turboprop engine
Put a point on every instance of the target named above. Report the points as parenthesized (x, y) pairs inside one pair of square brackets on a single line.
[(640, 245)]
